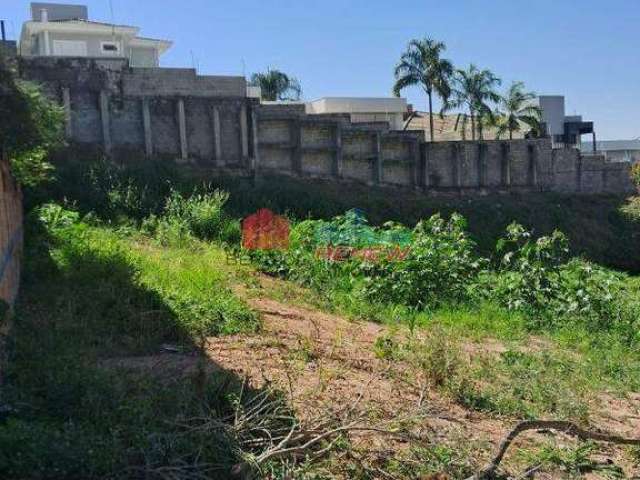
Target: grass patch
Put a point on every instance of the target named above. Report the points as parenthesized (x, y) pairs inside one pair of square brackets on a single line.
[(87, 402)]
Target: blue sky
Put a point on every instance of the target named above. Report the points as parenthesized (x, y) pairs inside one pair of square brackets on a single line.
[(587, 50)]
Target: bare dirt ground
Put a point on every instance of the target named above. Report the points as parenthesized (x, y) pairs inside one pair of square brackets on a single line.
[(326, 362)]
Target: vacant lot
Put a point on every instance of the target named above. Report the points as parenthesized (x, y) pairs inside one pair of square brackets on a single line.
[(142, 351)]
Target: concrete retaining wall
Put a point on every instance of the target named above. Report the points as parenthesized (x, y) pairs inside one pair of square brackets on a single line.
[(11, 233), (208, 121)]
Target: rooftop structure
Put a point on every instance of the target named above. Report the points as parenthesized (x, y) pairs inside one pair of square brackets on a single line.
[(616, 150), (564, 130), (62, 30), (363, 109)]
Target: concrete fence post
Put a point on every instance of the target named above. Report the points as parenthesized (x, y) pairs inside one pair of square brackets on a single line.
[(505, 164), (579, 173), (482, 170), (337, 159), (295, 137), (456, 165), (182, 126), (217, 138), (425, 154), (244, 133), (377, 159), (255, 161), (106, 123), (66, 102), (146, 123), (533, 165), (416, 160)]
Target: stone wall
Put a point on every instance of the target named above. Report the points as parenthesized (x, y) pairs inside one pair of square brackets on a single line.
[(208, 121)]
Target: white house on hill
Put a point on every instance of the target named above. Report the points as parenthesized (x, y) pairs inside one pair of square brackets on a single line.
[(61, 30)]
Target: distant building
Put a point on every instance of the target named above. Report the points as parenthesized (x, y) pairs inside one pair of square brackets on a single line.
[(61, 30), (363, 109), (564, 130), (616, 150), (453, 127)]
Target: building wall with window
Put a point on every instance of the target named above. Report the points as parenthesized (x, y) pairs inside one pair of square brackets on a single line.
[(72, 44)]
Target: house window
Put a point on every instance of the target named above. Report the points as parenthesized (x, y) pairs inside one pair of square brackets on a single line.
[(110, 48)]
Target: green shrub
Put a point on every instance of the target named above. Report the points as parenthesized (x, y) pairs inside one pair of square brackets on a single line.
[(537, 278), (271, 262), (529, 269), (437, 355), (54, 216), (200, 215), (635, 174), (631, 209), (436, 269), (31, 126)]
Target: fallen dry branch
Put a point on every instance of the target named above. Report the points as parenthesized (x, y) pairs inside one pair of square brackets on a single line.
[(566, 427)]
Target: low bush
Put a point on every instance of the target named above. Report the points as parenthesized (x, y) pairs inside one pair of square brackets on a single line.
[(439, 266), (436, 268), (200, 215), (631, 209), (635, 174)]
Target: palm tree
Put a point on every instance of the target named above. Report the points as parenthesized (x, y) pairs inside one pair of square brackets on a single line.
[(276, 85), (515, 109), (421, 65), (474, 90)]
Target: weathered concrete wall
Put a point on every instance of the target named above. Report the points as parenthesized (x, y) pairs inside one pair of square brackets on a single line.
[(208, 120), (11, 234)]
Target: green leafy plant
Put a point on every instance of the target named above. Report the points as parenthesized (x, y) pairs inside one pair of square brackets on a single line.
[(437, 268), (529, 268), (55, 217), (635, 174), (31, 127)]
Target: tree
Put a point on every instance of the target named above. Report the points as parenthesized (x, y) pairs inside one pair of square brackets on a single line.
[(31, 126), (422, 65), (515, 109), (474, 90), (276, 85)]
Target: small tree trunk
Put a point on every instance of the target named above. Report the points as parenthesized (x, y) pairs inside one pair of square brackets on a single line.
[(510, 134), (430, 115)]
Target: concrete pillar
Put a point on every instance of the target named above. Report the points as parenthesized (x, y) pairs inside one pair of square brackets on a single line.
[(456, 164), (480, 164), (182, 126), (579, 173), (106, 123), (244, 133), (338, 161), (47, 43), (377, 160), (255, 159), (217, 137), (66, 102), (296, 146), (506, 164), (533, 165), (426, 154), (146, 123), (415, 163)]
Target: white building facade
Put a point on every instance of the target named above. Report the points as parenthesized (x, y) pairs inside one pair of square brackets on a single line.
[(61, 30), (363, 109)]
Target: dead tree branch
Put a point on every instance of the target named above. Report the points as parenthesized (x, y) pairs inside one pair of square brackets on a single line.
[(569, 428)]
